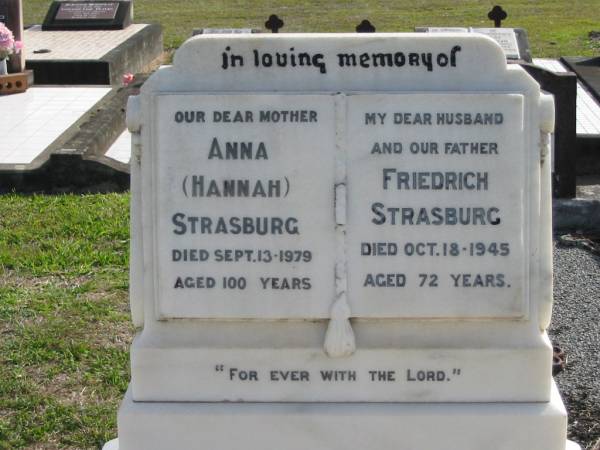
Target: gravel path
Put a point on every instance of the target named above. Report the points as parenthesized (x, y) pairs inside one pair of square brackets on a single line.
[(576, 329)]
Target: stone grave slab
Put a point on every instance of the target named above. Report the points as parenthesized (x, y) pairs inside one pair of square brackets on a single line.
[(588, 108), (91, 56), (588, 74), (586, 160), (36, 118), (58, 137), (88, 15), (336, 237), (588, 71)]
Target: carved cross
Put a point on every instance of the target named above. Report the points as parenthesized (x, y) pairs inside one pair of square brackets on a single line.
[(365, 27), (497, 14), (274, 23)]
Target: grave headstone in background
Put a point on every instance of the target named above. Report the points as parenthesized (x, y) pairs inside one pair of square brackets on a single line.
[(11, 14), (506, 37), (91, 42), (514, 41), (197, 31), (88, 15), (341, 241)]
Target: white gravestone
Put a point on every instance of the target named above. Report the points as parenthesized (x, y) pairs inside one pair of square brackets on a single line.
[(506, 37), (341, 241)]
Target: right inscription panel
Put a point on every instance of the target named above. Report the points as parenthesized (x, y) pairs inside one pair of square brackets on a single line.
[(436, 225)]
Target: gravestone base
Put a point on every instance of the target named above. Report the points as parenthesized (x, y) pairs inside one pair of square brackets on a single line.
[(188, 374), (342, 426)]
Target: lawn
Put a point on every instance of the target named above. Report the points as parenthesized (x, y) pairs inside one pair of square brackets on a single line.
[(555, 27), (64, 319)]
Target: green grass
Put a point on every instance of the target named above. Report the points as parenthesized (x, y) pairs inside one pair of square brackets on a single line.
[(64, 320), (555, 27)]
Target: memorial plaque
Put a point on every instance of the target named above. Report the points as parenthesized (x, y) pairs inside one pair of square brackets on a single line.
[(86, 11), (235, 235), (88, 15), (331, 230), (423, 166)]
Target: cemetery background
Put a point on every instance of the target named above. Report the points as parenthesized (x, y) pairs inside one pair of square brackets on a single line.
[(555, 27), (64, 321)]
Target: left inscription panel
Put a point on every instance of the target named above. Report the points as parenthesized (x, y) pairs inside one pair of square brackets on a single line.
[(244, 206)]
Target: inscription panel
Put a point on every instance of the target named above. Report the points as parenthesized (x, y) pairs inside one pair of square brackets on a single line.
[(244, 205), (434, 228), (86, 11)]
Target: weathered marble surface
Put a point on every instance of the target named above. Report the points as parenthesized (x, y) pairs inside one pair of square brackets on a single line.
[(453, 309)]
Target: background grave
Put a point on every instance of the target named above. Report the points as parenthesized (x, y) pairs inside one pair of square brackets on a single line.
[(88, 15), (91, 57)]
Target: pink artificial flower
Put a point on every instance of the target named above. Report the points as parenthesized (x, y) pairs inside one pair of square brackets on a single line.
[(7, 40), (18, 46), (128, 78)]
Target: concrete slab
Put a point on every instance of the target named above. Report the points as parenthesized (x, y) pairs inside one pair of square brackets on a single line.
[(91, 56), (75, 44)]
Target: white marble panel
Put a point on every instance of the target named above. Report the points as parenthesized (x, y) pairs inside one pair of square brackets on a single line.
[(244, 206), (434, 229)]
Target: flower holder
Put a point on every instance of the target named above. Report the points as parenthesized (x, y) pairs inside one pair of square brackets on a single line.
[(14, 83)]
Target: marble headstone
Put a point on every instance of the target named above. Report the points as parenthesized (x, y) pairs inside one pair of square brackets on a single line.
[(341, 241)]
